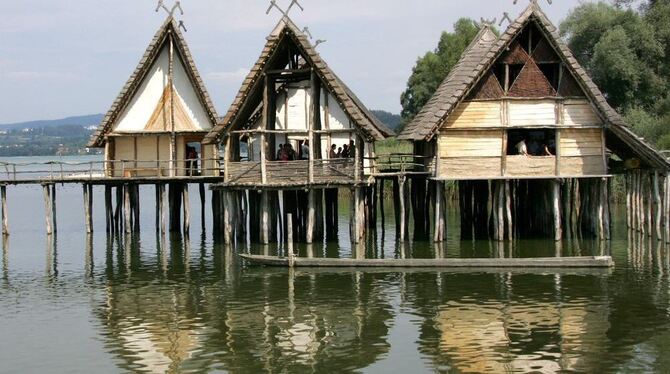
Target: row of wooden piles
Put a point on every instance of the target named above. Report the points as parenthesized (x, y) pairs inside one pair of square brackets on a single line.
[(648, 203), (122, 207), (511, 209), (263, 215)]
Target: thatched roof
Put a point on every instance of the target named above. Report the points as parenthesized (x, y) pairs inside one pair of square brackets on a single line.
[(152, 52), (250, 93), (485, 51)]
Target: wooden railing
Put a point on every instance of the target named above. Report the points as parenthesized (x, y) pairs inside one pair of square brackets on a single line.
[(399, 163), (96, 170)]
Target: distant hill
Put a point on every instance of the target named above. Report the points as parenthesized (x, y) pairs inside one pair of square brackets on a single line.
[(389, 119), (85, 121)]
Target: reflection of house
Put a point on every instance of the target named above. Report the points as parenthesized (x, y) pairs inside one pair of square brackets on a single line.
[(519, 111), (163, 109)]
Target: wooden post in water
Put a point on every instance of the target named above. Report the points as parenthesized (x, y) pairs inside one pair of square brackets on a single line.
[(265, 218), (403, 209), (289, 240), (53, 207), (201, 190), (126, 209), (187, 210), (109, 215), (87, 208), (657, 207), (46, 189), (136, 207), (556, 197), (311, 216), (227, 217), (438, 236), (5, 214), (666, 208)]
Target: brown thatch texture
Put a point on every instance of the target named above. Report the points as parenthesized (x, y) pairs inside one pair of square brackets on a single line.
[(531, 82), (488, 88)]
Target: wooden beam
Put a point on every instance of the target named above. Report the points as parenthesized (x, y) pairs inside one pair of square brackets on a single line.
[(187, 211), (87, 208)]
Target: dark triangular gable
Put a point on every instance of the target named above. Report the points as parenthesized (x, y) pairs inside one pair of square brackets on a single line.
[(287, 35), (134, 82)]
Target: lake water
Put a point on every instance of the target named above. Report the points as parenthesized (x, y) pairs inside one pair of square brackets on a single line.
[(77, 304)]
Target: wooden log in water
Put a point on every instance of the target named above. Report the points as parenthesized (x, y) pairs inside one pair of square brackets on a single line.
[(118, 211), (48, 212), (5, 214), (548, 262), (135, 207), (265, 218), (508, 210), (162, 211), (627, 184), (650, 207)]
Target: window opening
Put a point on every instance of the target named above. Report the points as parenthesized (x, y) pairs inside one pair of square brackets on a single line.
[(531, 142)]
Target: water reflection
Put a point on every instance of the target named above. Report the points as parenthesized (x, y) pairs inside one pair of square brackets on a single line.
[(171, 304)]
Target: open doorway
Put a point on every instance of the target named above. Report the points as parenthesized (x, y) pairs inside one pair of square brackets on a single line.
[(193, 152)]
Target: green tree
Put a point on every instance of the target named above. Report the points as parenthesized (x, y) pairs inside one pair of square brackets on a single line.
[(621, 50), (431, 69)]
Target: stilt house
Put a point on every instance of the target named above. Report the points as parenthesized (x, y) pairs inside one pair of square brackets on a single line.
[(291, 97), (157, 123), (293, 132), (526, 132)]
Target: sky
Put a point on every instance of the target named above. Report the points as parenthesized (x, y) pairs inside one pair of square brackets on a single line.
[(61, 58)]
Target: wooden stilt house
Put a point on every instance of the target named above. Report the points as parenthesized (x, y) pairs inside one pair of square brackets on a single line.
[(157, 123), (284, 130), (289, 97), (527, 135)]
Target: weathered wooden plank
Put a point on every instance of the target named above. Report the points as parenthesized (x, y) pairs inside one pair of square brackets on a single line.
[(586, 165), (547, 262), (469, 167), (531, 165)]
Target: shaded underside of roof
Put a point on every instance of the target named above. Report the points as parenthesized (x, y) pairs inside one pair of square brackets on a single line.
[(161, 37), (480, 56), (250, 94)]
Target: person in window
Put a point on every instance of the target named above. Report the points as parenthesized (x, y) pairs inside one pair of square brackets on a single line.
[(550, 149), (339, 152), (191, 160), (535, 148), (333, 153), (304, 150), (280, 150), (521, 148), (352, 149), (345, 151), (290, 151)]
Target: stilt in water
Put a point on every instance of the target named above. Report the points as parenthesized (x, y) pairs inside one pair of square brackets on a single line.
[(311, 216), (174, 201), (118, 213), (87, 208), (126, 209), (265, 218), (187, 210), (404, 213), (438, 232), (136, 207), (556, 198), (47, 208), (201, 190), (109, 214), (5, 214), (657, 207), (53, 207)]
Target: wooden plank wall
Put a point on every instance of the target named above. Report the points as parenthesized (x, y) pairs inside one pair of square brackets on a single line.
[(470, 153), (532, 113), (581, 152), (476, 114), (579, 113)]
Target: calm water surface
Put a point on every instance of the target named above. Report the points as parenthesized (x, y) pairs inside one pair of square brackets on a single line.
[(78, 304)]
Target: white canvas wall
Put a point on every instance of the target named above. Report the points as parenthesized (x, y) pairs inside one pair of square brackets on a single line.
[(296, 101), (139, 110)]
